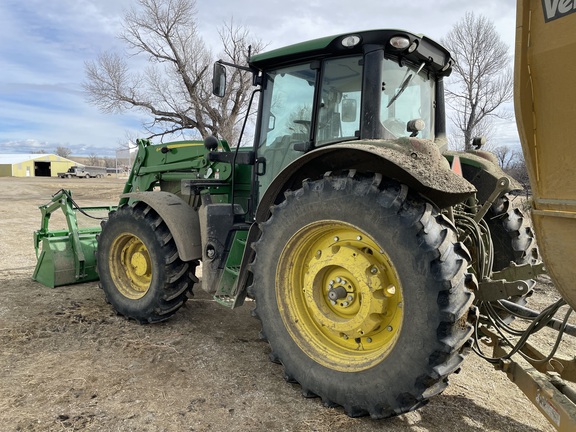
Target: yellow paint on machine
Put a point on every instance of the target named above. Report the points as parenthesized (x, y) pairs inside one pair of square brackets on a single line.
[(545, 104)]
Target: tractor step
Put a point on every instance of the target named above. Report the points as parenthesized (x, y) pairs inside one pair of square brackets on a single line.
[(231, 290)]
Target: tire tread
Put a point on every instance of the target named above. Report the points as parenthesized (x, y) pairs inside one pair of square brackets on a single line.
[(180, 276), (448, 258)]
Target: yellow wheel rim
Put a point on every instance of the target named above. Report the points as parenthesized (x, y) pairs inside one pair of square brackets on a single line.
[(130, 266), (339, 296)]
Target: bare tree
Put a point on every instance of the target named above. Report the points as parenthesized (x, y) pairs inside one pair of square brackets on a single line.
[(230, 110), (482, 77), (484, 129), (93, 160), (517, 169), (175, 89), (109, 162), (63, 151), (506, 156)]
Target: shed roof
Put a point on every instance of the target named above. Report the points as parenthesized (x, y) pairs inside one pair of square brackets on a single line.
[(16, 158)]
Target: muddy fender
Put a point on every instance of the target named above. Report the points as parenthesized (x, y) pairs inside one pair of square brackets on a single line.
[(481, 168), (414, 162), (181, 219)]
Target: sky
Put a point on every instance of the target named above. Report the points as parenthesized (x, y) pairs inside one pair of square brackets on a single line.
[(44, 46)]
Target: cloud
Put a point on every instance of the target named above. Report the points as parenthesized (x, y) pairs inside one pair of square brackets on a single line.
[(44, 44), (301, 20)]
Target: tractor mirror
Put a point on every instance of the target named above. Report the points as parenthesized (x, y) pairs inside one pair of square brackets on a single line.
[(219, 80), (349, 107)]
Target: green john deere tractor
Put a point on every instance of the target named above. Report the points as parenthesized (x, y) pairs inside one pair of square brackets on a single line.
[(369, 249)]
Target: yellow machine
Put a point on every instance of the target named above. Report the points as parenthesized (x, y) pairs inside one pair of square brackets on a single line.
[(545, 102)]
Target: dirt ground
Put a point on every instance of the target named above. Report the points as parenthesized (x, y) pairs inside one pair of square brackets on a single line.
[(68, 362)]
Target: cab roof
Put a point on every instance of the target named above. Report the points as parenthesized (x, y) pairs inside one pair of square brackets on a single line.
[(426, 49)]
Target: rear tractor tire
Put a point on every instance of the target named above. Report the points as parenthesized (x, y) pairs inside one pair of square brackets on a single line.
[(513, 241), (363, 294), (512, 235), (140, 270)]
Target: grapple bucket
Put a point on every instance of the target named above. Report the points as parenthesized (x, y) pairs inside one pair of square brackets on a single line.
[(58, 263), (67, 256)]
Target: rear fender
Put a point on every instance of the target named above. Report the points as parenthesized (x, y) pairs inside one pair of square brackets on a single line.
[(481, 168), (415, 162), (181, 219)]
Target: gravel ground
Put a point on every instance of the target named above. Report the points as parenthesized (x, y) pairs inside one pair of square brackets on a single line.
[(68, 362)]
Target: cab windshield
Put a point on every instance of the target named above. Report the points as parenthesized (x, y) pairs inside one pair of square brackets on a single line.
[(407, 94)]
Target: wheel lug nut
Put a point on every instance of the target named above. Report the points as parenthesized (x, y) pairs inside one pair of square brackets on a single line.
[(390, 291), (338, 280), (368, 340), (350, 298), (345, 336), (345, 304), (336, 239), (373, 270), (359, 238), (389, 328)]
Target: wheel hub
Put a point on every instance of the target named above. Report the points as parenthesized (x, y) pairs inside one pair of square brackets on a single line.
[(130, 266), (335, 294), (139, 263), (344, 301), (347, 315)]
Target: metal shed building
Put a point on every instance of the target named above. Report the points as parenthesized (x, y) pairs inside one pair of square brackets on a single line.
[(33, 165)]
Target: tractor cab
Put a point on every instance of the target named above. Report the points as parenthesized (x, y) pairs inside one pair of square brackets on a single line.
[(372, 85)]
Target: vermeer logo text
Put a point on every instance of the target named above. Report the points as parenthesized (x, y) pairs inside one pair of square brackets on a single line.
[(554, 9)]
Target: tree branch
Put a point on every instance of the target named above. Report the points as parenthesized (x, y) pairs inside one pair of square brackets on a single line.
[(175, 89)]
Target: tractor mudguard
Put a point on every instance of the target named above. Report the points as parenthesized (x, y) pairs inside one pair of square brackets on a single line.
[(415, 162), (181, 219), (481, 168)]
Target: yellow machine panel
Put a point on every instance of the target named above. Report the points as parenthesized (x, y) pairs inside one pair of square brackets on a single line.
[(545, 103)]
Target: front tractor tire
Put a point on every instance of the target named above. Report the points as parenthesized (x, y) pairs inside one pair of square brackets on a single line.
[(140, 270), (363, 294)]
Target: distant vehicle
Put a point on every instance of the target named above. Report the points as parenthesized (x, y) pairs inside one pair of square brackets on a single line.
[(83, 172)]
